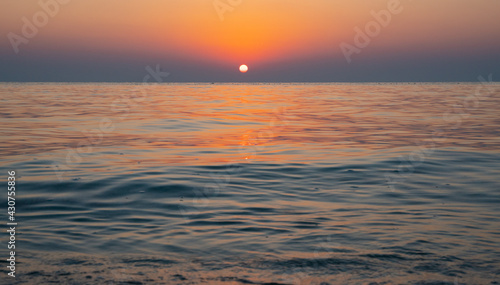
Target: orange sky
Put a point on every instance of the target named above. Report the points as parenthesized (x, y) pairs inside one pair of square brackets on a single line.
[(256, 29), (255, 32)]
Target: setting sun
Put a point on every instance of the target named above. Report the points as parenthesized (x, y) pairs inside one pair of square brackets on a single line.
[(243, 68)]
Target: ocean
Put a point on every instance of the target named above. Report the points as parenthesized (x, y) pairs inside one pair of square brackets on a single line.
[(196, 183)]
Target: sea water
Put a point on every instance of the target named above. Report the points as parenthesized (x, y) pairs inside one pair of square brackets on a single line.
[(252, 183)]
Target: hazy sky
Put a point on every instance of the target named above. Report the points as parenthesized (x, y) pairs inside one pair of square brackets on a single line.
[(280, 40)]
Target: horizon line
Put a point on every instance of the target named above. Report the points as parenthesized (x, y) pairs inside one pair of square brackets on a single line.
[(256, 82)]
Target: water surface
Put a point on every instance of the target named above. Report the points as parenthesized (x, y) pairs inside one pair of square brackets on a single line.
[(254, 184)]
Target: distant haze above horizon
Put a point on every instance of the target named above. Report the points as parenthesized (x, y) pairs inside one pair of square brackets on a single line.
[(279, 40)]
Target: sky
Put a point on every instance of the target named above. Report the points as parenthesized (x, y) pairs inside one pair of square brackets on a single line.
[(279, 40)]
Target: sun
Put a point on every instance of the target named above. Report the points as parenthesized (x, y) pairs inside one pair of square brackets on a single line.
[(243, 68)]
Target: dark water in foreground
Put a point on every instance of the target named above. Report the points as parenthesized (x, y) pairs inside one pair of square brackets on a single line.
[(253, 184)]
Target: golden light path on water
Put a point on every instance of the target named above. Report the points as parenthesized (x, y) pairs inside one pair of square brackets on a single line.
[(281, 182)]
